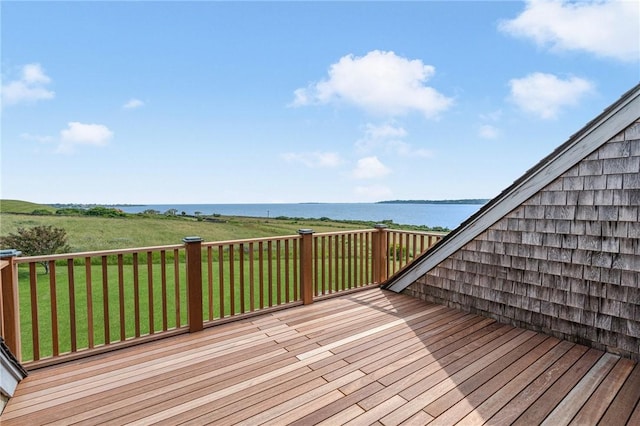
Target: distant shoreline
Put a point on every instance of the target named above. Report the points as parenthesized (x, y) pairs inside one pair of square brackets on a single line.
[(467, 201)]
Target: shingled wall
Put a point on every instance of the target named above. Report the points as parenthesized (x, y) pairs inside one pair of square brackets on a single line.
[(566, 262)]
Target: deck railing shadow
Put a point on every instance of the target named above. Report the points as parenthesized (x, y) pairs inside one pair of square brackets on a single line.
[(442, 355)]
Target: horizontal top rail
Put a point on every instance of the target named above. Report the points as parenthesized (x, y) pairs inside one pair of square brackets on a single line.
[(65, 256), (432, 233), (248, 240), (338, 233)]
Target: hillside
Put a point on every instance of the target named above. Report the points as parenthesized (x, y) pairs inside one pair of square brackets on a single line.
[(18, 206)]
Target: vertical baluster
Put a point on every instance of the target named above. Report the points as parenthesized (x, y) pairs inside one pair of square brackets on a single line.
[(54, 308), (350, 260), (89, 287), (150, 291), (251, 280), (414, 247), (322, 262), (232, 287), (330, 263), (287, 284), (35, 331), (105, 301), (163, 278), (278, 273), (368, 279), (210, 281), (363, 280), (242, 280), (296, 262), (261, 273), (337, 262), (392, 253), (89, 295), (136, 296), (123, 335), (315, 273), (354, 252), (395, 254), (270, 271), (344, 261), (176, 285), (221, 279), (407, 251), (72, 306)]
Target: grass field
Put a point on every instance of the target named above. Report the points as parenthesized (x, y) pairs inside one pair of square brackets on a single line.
[(88, 233)]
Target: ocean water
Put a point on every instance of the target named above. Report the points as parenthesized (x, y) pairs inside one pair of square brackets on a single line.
[(445, 215)]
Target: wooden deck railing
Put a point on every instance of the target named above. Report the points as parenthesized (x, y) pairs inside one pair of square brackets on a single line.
[(95, 301)]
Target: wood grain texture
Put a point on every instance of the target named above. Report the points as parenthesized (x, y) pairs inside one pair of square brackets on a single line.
[(372, 357)]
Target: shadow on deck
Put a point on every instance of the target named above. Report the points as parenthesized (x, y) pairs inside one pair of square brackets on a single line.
[(362, 358)]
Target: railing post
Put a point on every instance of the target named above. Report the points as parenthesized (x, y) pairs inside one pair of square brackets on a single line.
[(306, 266), (10, 318), (193, 248), (379, 254)]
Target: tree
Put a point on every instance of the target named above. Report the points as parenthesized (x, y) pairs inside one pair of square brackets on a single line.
[(39, 240)]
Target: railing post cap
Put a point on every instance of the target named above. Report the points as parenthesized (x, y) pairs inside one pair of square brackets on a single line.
[(380, 226), (188, 240), (305, 231), (9, 253)]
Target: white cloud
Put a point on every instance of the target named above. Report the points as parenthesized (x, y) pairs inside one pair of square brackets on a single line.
[(487, 131), (545, 94), (314, 159), (492, 116), (389, 138), (29, 88), (373, 192), (133, 103), (604, 28), (379, 82), (370, 168), (379, 135), (36, 138), (83, 134), (34, 74)]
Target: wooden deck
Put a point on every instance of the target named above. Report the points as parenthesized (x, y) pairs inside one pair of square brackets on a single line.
[(372, 357)]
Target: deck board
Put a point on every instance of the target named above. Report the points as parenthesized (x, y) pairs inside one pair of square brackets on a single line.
[(372, 357)]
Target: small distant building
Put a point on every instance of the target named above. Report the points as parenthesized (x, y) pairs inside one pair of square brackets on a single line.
[(559, 250)]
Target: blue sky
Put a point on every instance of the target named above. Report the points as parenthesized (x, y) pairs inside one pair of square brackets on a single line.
[(259, 102)]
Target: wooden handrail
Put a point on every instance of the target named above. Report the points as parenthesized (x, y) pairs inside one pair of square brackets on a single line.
[(84, 254), (111, 298)]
